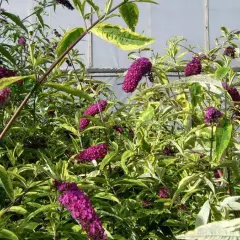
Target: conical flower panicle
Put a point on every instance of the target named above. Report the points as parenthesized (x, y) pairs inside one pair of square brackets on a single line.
[(92, 110), (136, 71), (96, 152), (81, 209), (96, 108), (66, 4), (194, 67)]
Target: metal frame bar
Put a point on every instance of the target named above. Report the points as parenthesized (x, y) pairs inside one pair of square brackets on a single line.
[(206, 25)]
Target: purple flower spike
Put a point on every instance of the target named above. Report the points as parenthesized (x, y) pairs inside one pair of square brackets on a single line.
[(5, 73), (136, 71), (212, 115), (81, 209), (163, 192), (96, 152), (4, 95), (193, 68), (96, 108), (84, 123), (21, 40)]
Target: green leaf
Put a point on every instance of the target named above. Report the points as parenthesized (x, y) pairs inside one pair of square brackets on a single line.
[(6, 234), (6, 183), (124, 38), (7, 54), (130, 14), (221, 72), (223, 230), (223, 137), (147, 114), (18, 210), (203, 215), (127, 154), (94, 6), (69, 128), (70, 90), (4, 82), (148, 1), (183, 184), (47, 209), (232, 203), (108, 6), (68, 39), (106, 195), (15, 19), (79, 6), (109, 156)]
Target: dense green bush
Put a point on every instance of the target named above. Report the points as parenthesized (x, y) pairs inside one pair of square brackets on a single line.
[(161, 164)]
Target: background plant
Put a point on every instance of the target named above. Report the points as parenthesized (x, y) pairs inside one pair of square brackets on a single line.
[(166, 170)]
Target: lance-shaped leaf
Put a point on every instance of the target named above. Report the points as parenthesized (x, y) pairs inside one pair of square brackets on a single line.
[(203, 215), (223, 230), (6, 234), (223, 137), (6, 54), (15, 19), (68, 39), (70, 90), (4, 82), (130, 14), (6, 183), (124, 38)]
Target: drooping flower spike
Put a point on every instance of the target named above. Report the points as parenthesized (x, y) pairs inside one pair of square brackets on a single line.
[(136, 71), (81, 209), (96, 152)]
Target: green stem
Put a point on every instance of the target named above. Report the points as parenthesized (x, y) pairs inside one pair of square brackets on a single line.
[(211, 139)]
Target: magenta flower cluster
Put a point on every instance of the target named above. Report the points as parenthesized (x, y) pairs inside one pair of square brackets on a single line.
[(92, 110), (96, 152), (4, 73), (233, 92), (163, 192), (81, 209), (21, 40), (136, 71), (212, 115), (96, 108), (4, 94), (194, 67)]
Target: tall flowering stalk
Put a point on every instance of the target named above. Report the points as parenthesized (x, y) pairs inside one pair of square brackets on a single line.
[(136, 71), (81, 209)]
